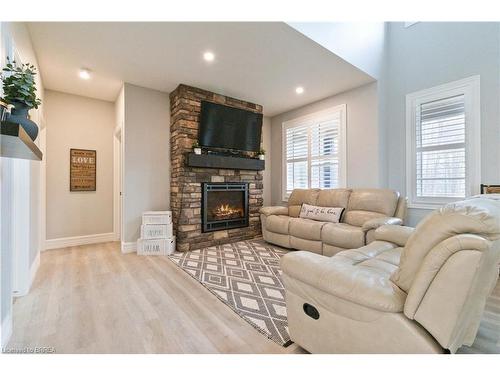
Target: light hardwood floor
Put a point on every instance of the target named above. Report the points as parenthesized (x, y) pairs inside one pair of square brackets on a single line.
[(93, 299)]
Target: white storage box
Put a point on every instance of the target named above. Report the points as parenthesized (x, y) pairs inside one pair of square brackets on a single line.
[(156, 247), (157, 217), (155, 231)]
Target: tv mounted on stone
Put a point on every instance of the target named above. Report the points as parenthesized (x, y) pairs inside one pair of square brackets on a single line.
[(224, 127)]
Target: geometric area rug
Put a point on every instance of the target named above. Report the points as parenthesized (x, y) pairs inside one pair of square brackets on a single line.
[(245, 276)]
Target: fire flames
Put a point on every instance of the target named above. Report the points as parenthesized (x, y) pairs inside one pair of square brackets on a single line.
[(225, 211)]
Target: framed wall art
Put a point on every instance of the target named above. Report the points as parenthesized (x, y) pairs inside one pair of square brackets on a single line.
[(82, 170)]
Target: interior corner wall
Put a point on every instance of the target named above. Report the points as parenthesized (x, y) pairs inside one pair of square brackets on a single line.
[(429, 54), (78, 122), (146, 156), (118, 164), (362, 137)]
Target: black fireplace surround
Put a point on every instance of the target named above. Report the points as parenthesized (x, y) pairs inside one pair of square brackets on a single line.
[(224, 206)]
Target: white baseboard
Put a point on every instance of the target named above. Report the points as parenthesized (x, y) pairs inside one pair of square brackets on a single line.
[(129, 247), (6, 329), (58, 243)]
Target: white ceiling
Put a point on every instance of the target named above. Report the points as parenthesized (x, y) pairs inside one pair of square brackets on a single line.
[(258, 62)]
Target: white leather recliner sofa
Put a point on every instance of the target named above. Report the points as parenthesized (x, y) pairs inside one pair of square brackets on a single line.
[(365, 210), (419, 290)]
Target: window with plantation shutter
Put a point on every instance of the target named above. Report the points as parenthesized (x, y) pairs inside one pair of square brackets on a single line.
[(314, 151), (442, 143)]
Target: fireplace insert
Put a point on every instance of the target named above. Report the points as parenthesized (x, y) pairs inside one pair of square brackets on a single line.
[(224, 206)]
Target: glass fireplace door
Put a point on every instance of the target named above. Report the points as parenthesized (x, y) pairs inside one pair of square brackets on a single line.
[(225, 206)]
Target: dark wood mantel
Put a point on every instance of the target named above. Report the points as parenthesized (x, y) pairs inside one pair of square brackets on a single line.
[(224, 162)]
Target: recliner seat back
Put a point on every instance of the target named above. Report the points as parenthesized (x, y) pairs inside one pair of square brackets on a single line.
[(480, 216), (449, 266), (367, 204), (300, 196), (360, 204)]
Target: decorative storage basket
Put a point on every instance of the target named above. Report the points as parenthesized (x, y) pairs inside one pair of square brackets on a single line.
[(156, 247), (155, 231), (157, 217)]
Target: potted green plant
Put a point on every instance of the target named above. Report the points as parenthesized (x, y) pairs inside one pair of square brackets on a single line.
[(196, 148), (262, 154), (19, 90)]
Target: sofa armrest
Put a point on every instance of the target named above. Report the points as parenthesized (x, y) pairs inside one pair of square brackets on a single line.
[(379, 221), (396, 234), (274, 210), (339, 277)]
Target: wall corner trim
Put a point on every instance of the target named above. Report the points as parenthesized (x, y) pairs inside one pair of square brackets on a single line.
[(129, 247), (58, 243)]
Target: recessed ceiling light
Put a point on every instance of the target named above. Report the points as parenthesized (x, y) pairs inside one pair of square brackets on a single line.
[(299, 90), (84, 74), (209, 56)]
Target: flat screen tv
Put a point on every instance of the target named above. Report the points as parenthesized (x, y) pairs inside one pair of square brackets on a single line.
[(229, 128)]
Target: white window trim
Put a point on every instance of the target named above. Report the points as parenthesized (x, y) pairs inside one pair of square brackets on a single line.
[(470, 88), (310, 119)]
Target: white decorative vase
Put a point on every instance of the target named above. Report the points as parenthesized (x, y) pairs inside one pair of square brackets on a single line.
[(197, 150), (261, 157)]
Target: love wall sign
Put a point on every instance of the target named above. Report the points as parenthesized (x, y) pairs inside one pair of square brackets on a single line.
[(82, 170)]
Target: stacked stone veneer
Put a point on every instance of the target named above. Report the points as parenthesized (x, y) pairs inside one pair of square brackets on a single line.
[(185, 185)]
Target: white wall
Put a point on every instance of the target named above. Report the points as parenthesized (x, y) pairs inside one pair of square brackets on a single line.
[(362, 137), (428, 54), (146, 161), (78, 122), (359, 43), (22, 43), (20, 244)]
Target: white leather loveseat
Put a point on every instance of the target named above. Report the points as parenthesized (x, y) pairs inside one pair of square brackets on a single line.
[(365, 211), (419, 290)]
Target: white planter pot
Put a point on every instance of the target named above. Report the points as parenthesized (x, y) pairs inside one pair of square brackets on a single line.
[(197, 151), (261, 157)]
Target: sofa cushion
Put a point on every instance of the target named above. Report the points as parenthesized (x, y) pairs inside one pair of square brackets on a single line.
[(306, 229), (343, 235), (383, 256), (359, 217), (365, 283), (391, 256), (274, 210), (278, 224), (306, 245), (300, 196), (367, 204), (333, 198)]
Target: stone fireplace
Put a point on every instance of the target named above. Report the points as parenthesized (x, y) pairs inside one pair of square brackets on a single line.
[(232, 186)]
